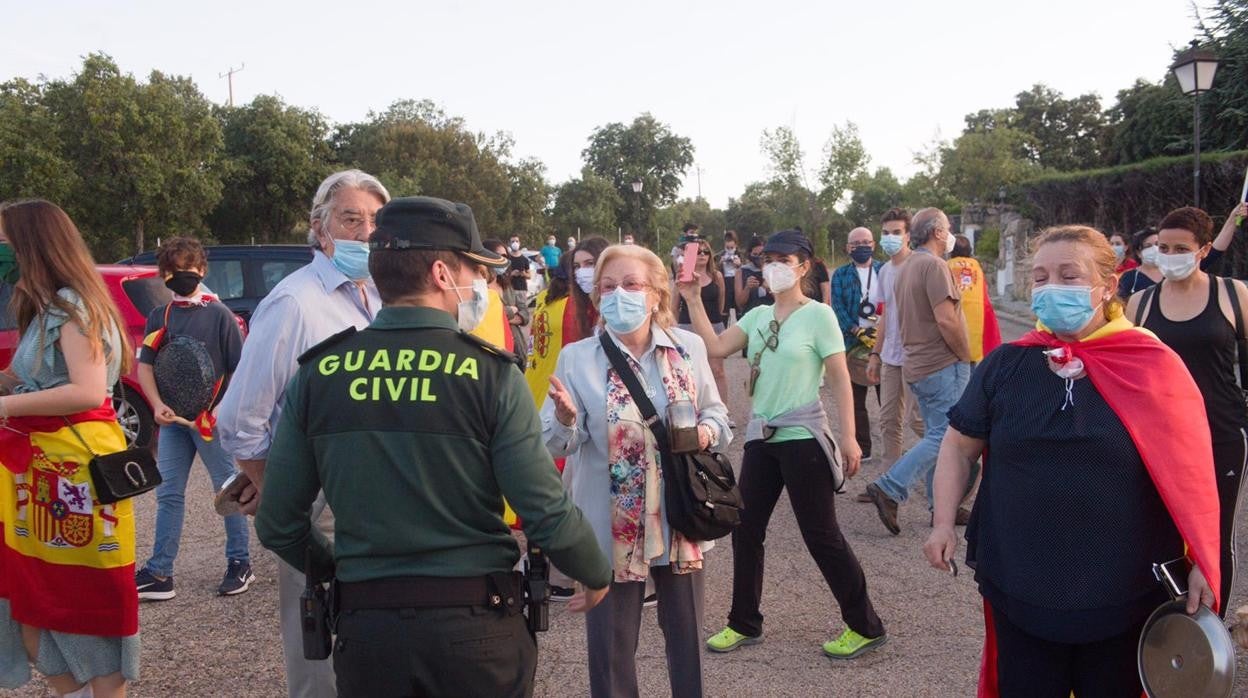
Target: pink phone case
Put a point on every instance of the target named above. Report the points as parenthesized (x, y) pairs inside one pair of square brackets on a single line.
[(688, 262)]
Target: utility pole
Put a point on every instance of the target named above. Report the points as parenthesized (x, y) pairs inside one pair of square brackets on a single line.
[(229, 75), (699, 171)]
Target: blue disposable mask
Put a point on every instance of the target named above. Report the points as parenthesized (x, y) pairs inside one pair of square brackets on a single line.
[(351, 258), (1063, 309), (891, 244), (624, 311)]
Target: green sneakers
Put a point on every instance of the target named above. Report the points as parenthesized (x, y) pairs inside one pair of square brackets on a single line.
[(850, 644), (728, 640)]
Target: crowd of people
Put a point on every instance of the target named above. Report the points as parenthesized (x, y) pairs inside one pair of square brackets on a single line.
[(401, 405)]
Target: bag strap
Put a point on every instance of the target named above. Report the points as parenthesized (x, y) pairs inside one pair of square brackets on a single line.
[(1145, 301), (80, 439), (626, 374), (1237, 311)]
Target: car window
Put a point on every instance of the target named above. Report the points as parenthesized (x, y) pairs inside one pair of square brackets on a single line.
[(147, 293), (225, 279), (7, 321), (274, 271)]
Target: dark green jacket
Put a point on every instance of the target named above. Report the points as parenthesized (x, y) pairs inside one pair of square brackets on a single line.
[(416, 433)]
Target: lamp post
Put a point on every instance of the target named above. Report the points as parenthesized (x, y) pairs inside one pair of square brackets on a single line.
[(1194, 69), (637, 184)]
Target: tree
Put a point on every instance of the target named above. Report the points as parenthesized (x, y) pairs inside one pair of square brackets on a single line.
[(414, 147), (586, 205), (1225, 126), (873, 195), (845, 160), (1062, 134), (1148, 120), (645, 150), (980, 162), (276, 155), (671, 219), (32, 162)]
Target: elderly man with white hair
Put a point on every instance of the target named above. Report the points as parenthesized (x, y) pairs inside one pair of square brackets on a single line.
[(325, 297)]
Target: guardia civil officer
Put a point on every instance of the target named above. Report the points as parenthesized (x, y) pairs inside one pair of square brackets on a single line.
[(416, 431)]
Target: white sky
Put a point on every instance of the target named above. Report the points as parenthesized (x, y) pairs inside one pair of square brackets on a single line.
[(550, 72)]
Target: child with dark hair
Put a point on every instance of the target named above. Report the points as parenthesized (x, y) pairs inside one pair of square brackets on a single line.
[(197, 323)]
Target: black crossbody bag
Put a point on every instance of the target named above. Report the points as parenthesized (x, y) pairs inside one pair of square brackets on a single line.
[(700, 489), (120, 475)]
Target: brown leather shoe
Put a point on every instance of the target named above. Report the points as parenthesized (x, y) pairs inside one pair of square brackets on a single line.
[(885, 507), (864, 497)]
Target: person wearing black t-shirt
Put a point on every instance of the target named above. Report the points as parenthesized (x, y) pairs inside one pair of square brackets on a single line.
[(519, 269), (1089, 479)]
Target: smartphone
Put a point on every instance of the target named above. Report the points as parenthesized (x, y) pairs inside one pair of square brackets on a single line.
[(688, 262), (226, 501)]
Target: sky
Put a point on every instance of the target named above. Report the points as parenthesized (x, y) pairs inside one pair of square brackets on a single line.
[(549, 73)]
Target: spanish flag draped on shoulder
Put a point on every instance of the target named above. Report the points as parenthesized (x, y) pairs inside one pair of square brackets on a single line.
[(67, 562)]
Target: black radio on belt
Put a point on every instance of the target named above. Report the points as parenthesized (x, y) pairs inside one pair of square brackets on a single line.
[(537, 590), (314, 610)]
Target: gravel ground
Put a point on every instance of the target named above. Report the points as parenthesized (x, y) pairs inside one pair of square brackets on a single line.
[(199, 644)]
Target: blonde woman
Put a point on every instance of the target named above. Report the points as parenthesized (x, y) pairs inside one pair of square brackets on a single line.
[(616, 472)]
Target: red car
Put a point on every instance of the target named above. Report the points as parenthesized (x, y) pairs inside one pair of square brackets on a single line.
[(135, 290)]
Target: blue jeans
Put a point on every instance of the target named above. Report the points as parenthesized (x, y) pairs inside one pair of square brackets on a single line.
[(935, 394), (177, 446)]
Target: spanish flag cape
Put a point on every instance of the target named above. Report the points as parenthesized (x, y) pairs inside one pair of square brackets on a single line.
[(67, 562), (1150, 404), (981, 321), (494, 327), (554, 327)]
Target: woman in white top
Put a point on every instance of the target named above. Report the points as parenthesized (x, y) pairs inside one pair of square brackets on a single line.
[(616, 475)]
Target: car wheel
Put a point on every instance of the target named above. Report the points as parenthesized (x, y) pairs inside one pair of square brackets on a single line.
[(135, 418)]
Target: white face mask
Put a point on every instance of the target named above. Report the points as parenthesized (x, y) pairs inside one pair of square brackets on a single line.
[(1176, 267), (550, 242), (950, 241), (1148, 255), (780, 277), (585, 278), (472, 311), (515, 246)]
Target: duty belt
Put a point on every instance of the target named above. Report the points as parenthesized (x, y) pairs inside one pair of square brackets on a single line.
[(500, 590)]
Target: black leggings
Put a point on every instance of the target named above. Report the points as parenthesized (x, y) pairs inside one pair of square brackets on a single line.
[(1228, 463), (765, 470), (1031, 667)]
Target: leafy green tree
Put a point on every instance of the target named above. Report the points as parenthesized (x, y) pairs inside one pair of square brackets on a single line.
[(671, 219), (32, 162), (275, 157), (1149, 120), (587, 205), (873, 195), (147, 155), (1225, 124), (845, 161), (749, 214), (980, 162), (645, 150), (414, 147), (1062, 134)]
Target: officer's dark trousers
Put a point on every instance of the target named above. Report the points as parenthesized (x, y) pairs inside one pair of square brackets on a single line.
[(614, 624), (462, 651)]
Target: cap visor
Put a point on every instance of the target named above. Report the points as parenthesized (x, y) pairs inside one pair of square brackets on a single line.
[(487, 258)]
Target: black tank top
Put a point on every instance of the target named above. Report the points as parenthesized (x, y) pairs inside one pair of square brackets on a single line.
[(710, 301), (1206, 343)]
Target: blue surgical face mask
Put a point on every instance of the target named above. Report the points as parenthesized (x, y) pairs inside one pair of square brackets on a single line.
[(623, 310), (1064, 309), (891, 244), (351, 258)]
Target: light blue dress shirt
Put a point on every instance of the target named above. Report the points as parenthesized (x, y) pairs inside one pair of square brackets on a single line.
[(306, 308), (582, 368)]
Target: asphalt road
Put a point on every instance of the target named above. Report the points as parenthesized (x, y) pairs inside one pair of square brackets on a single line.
[(199, 644)]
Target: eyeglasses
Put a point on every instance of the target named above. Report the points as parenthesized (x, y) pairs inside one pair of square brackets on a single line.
[(352, 220), (607, 287), (860, 245), (770, 342)]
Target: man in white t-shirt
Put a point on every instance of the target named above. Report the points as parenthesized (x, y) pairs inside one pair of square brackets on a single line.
[(897, 405)]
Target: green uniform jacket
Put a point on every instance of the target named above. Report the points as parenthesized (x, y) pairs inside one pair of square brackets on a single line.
[(416, 433)]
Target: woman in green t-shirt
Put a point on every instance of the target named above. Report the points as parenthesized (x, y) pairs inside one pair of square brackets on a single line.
[(791, 345)]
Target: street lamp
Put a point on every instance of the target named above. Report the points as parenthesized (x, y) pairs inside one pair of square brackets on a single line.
[(1194, 69), (637, 184)]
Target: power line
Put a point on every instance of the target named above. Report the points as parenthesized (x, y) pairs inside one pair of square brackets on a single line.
[(229, 75)]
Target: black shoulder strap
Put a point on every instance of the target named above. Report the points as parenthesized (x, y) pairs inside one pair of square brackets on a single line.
[(1236, 310), (626, 373), (1145, 300)]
